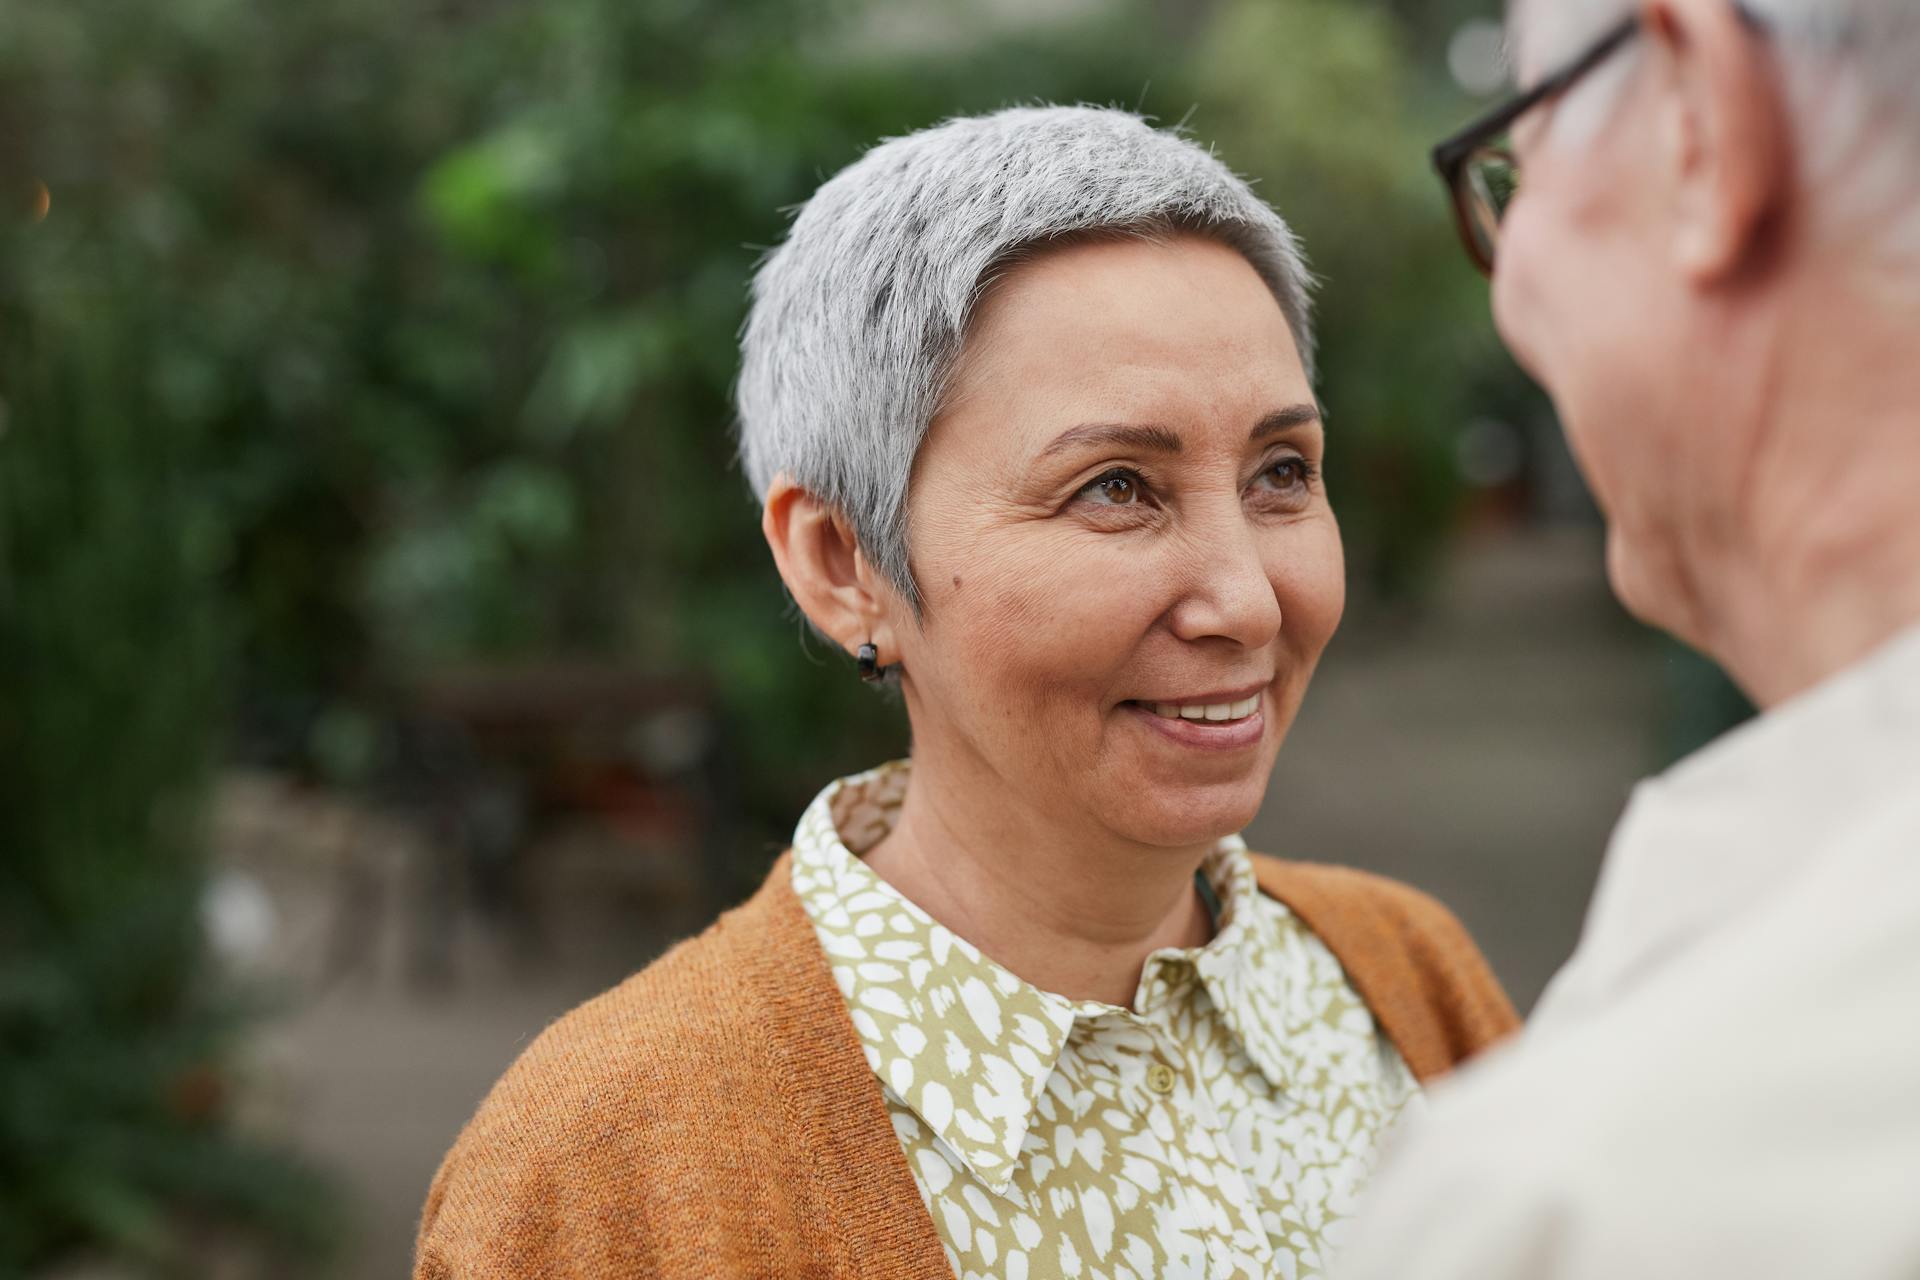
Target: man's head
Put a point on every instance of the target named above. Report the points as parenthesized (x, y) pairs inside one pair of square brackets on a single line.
[(1706, 223)]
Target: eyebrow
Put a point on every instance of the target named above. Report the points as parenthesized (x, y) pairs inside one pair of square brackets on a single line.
[(1152, 439), (1157, 439), (1294, 415)]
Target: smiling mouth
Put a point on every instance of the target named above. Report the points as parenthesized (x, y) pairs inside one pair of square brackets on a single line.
[(1210, 712)]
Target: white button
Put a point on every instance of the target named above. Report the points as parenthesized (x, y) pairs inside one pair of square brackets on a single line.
[(1160, 1078)]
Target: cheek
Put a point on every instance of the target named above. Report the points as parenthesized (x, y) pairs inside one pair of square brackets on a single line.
[(1033, 622), (1554, 312), (1310, 581), (1516, 291), (1566, 255)]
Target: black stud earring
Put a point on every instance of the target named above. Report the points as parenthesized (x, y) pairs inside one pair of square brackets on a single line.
[(867, 657)]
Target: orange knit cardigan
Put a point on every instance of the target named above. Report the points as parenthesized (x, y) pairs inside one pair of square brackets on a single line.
[(714, 1115)]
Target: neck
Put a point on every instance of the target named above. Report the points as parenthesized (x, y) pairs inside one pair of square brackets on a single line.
[(1824, 563), (1070, 911)]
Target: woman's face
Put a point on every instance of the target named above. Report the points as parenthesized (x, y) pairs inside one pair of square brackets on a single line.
[(1119, 514)]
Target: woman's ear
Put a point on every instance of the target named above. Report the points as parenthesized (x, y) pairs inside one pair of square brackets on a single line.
[(820, 561)]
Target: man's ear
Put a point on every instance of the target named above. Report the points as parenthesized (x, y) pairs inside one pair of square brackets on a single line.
[(821, 562), (1723, 134)]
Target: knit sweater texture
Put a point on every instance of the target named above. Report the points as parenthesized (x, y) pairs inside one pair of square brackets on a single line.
[(715, 1116)]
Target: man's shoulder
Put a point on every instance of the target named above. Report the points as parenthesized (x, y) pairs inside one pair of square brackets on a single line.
[(1727, 1105)]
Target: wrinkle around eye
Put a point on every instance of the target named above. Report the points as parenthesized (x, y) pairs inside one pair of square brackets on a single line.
[(1295, 498), (1112, 516)]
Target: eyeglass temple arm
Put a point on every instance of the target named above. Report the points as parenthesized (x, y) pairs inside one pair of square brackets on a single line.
[(1452, 153)]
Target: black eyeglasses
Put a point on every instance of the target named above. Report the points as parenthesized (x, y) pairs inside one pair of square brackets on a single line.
[(1480, 170)]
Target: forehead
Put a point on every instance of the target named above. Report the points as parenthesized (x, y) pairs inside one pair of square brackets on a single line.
[(1126, 327)]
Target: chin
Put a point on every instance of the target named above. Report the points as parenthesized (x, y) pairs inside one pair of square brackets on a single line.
[(1659, 591), (1634, 584), (1180, 816), (1623, 574)]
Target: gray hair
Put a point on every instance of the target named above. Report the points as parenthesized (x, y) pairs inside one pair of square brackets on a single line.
[(858, 318), (1850, 68)]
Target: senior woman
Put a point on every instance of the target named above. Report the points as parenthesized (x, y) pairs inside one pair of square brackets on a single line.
[(1027, 401)]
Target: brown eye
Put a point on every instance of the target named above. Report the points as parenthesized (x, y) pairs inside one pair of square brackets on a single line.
[(1290, 472), (1115, 489), (1287, 482)]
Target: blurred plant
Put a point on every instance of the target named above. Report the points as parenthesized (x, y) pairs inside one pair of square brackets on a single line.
[(117, 1049)]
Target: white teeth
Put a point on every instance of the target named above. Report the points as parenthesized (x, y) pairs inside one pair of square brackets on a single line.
[(1215, 711)]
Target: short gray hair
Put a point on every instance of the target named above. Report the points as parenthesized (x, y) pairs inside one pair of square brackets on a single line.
[(858, 318), (1850, 68)]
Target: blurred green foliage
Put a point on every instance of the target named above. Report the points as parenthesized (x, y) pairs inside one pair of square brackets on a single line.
[(352, 339), (116, 1042)]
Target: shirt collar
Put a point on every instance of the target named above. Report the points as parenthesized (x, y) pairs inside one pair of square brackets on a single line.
[(1241, 969), (975, 1079), (1740, 819)]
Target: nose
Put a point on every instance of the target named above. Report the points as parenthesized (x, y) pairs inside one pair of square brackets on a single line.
[(1228, 593)]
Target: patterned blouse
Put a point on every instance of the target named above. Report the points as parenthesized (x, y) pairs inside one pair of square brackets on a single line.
[(1223, 1127)]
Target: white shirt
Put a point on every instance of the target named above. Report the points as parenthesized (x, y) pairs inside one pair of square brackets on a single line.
[(1725, 1079)]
